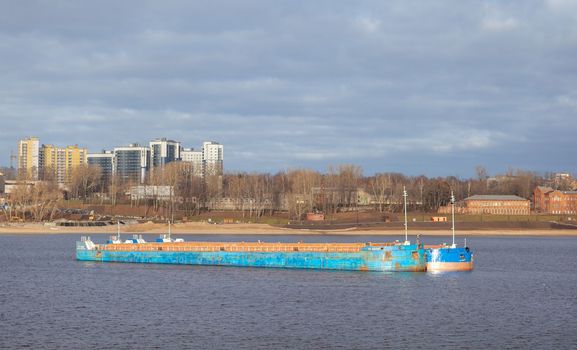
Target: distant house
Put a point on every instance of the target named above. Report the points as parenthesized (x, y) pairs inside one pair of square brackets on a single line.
[(11, 185), (163, 193), (228, 203), (550, 201)]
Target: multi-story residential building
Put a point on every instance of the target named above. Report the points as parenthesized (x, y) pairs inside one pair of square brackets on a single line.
[(131, 162), (212, 158), (163, 151), (189, 155), (107, 163), (58, 163), (75, 156), (550, 201), (52, 163), (28, 158)]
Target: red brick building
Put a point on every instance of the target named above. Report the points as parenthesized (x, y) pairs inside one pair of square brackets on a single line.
[(550, 201)]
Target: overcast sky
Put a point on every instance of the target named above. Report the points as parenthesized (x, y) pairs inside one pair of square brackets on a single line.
[(419, 87)]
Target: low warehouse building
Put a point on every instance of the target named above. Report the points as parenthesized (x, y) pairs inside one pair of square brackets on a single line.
[(497, 204)]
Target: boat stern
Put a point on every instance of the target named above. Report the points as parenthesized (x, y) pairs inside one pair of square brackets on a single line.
[(86, 250)]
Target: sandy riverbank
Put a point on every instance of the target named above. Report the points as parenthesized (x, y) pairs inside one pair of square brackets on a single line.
[(257, 229)]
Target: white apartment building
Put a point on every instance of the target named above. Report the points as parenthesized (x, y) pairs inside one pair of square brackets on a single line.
[(212, 157), (189, 155), (163, 151), (29, 157), (208, 161)]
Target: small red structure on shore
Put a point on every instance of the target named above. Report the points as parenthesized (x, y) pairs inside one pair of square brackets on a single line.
[(315, 216)]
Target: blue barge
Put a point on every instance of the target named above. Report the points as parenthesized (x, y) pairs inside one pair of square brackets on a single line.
[(395, 256)]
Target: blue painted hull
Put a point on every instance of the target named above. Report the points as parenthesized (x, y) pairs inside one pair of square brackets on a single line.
[(394, 258), (449, 259)]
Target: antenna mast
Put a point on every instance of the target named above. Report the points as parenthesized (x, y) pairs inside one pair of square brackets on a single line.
[(453, 215), (405, 205)]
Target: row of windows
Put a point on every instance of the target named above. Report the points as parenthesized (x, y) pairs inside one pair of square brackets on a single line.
[(497, 204), (558, 199), (501, 211)]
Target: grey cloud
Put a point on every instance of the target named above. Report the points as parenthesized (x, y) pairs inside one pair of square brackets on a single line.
[(422, 86)]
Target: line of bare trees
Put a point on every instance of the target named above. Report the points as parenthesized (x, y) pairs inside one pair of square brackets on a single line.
[(297, 191)]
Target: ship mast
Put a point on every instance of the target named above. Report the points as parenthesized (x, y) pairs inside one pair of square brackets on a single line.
[(118, 230), (453, 216), (405, 205), (168, 229)]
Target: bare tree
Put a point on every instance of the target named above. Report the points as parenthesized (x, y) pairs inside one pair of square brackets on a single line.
[(380, 186), (189, 187), (84, 181), (437, 193), (302, 183), (35, 200), (349, 178)]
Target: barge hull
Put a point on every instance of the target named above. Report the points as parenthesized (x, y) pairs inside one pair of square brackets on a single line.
[(394, 259)]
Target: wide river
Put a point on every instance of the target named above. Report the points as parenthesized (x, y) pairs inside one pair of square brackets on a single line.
[(522, 294)]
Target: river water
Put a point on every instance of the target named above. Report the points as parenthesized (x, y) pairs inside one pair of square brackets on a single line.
[(522, 294)]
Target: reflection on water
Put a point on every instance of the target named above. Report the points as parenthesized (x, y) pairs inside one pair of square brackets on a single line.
[(520, 295)]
